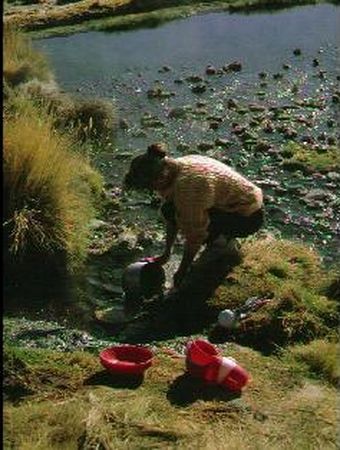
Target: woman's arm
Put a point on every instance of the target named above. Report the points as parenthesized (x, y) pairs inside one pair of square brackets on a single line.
[(171, 234)]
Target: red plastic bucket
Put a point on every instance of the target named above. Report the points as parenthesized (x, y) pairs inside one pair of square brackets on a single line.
[(126, 359), (200, 357), (204, 361)]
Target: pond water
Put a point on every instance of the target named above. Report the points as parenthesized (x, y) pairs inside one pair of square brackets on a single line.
[(261, 41), (124, 66)]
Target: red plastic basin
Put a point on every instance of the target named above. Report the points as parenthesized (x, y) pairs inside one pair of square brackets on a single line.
[(126, 359)]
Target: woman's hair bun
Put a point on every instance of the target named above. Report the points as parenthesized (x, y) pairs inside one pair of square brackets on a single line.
[(158, 150)]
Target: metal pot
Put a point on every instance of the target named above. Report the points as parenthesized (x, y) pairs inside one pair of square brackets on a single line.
[(143, 279)]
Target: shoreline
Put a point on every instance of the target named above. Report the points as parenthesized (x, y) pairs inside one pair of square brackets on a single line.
[(47, 20)]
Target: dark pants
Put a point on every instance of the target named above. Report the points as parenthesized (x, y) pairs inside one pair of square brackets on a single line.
[(230, 225)]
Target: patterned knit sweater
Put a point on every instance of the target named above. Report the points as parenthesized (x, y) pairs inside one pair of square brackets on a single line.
[(202, 183)]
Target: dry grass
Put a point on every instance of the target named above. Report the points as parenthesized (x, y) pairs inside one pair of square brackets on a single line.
[(21, 61), (42, 16), (48, 186), (91, 118), (280, 409)]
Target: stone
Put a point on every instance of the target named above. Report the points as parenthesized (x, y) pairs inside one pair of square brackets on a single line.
[(214, 125), (96, 224), (165, 69), (124, 124), (205, 146), (316, 194), (256, 108), (334, 176), (262, 146), (238, 129), (182, 147), (178, 113), (194, 79), (235, 66), (231, 103), (199, 89), (210, 70), (222, 142)]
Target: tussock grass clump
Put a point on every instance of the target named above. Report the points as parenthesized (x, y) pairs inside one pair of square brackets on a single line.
[(292, 276), (87, 118), (21, 61), (49, 188), (321, 357)]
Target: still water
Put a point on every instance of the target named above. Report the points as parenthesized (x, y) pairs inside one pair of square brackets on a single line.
[(261, 41)]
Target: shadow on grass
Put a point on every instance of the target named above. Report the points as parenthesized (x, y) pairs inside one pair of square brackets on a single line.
[(263, 344), (186, 310), (105, 378), (15, 393), (186, 389)]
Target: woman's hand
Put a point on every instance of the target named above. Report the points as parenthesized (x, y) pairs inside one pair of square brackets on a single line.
[(162, 259)]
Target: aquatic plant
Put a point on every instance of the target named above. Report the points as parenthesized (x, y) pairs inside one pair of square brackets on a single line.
[(307, 159)]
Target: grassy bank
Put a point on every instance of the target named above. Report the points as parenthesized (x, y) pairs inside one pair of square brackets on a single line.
[(301, 307), (125, 14), (65, 400)]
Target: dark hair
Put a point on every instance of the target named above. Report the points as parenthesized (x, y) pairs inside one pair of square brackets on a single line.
[(157, 150), (145, 169)]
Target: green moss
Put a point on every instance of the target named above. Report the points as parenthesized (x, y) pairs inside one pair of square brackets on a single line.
[(299, 157)]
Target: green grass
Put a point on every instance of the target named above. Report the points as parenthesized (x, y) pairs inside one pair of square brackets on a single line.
[(320, 357), (293, 277)]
